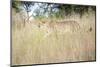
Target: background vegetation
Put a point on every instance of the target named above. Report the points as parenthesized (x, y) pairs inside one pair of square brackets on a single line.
[(49, 10)]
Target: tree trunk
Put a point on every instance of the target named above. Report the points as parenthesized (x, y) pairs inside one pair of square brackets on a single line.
[(27, 17)]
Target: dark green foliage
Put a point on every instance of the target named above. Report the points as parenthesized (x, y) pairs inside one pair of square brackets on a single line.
[(78, 9), (16, 5), (27, 5), (63, 10)]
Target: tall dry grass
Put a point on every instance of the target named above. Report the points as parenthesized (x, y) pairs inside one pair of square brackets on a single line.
[(30, 47)]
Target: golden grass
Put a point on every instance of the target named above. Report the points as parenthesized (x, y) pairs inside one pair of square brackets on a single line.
[(30, 47)]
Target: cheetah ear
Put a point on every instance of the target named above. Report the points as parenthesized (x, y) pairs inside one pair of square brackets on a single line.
[(43, 22)]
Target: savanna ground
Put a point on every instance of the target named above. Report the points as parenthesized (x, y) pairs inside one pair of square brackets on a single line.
[(31, 46)]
